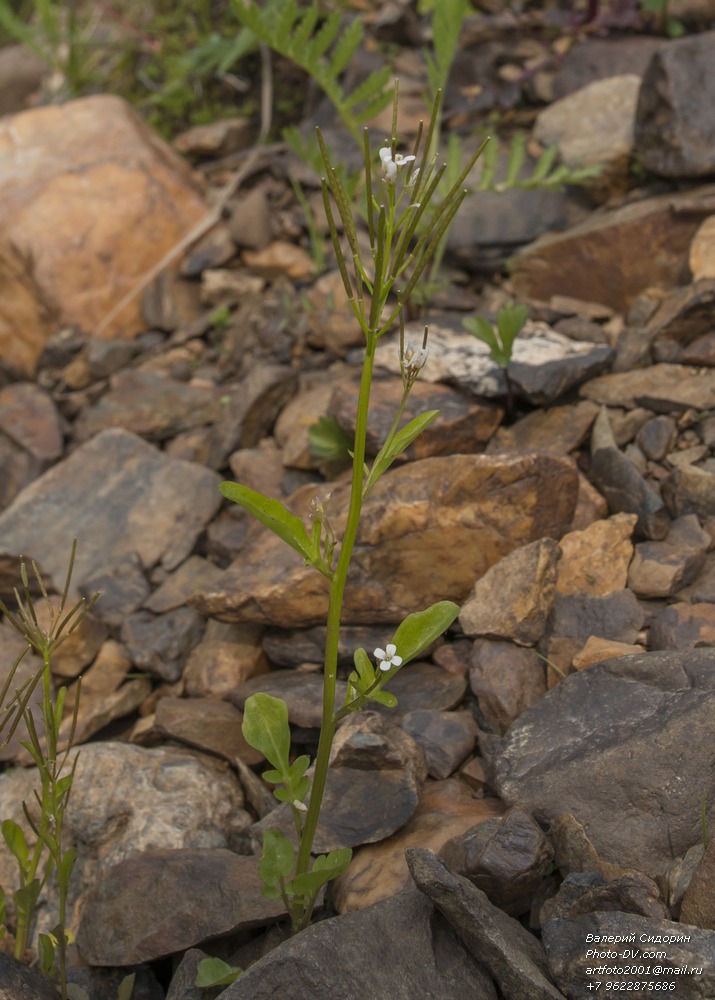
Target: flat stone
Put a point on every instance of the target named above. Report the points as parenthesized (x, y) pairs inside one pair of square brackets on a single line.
[(160, 644), (659, 569), (597, 649), (600, 745), (560, 429), (423, 686), (595, 58), (514, 597), (377, 871), (514, 958), (476, 506), (564, 943), (302, 691), (664, 388), (683, 626), (328, 959), (206, 724), (689, 490), (29, 417), (595, 560), (293, 425), (116, 493), (224, 660), (672, 138), (631, 892), (681, 317), (18, 982), (506, 858), (600, 259), (280, 259), (175, 591), (447, 738), (506, 680), (150, 405), (90, 167), (215, 139), (544, 364), (122, 587), (173, 916), (701, 250)]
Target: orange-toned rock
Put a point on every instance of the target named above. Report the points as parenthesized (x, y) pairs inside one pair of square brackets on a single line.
[(596, 560), (597, 649), (92, 199)]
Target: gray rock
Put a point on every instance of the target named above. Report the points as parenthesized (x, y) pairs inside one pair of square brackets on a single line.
[(447, 738), (116, 493), (400, 948), (513, 957), (123, 588), (622, 746), (160, 644), (567, 951), (506, 680), (18, 982), (675, 135), (160, 902), (103, 984)]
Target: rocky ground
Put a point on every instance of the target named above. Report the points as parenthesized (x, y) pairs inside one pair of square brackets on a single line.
[(547, 777)]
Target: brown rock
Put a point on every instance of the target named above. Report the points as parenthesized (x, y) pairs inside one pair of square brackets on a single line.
[(574, 852), (591, 505), (446, 738), (595, 561), (662, 387), (601, 259), (506, 679), (206, 724), (226, 657), (90, 167), (421, 686), (280, 259), (597, 649), (702, 250), (698, 906), (219, 138), (250, 220), (679, 875), (475, 507), (295, 421), (175, 591), (301, 690), (690, 490), (659, 569), (221, 287), (514, 597), (332, 324), (683, 626), (377, 871), (29, 417), (559, 429), (632, 892)]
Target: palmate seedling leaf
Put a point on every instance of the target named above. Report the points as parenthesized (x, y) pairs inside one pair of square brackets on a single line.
[(402, 440), (216, 972), (265, 727), (484, 331), (510, 323), (273, 514), (419, 630)]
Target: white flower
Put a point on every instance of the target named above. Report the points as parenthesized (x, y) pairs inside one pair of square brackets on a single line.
[(388, 657), (391, 164), (297, 804), (415, 359)]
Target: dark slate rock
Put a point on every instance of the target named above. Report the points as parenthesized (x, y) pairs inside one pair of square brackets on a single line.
[(683, 626), (105, 983), (183, 982), (588, 892), (623, 746), (302, 691), (17, 982), (290, 648), (622, 485), (617, 616), (598, 58), (160, 902), (161, 644), (566, 948), (447, 738), (123, 588), (513, 957), (675, 135), (116, 494), (400, 948)]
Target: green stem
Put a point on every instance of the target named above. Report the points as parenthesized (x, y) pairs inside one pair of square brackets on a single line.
[(335, 604)]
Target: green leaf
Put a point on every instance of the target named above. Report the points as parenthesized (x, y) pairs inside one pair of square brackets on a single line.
[(327, 441), (66, 865), (517, 156), (484, 331), (325, 868), (76, 992), (126, 987), (216, 972), (278, 858), (26, 897), (383, 698), (510, 322), (265, 727), (272, 513), (46, 948), (419, 630), (402, 440), (15, 840)]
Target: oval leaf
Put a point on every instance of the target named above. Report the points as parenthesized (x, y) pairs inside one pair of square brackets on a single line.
[(216, 972), (273, 514), (265, 727), (418, 631), (277, 859)]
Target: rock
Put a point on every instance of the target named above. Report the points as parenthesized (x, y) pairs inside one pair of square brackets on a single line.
[(683, 626), (123, 588), (596, 650), (569, 959), (599, 259), (378, 871), (592, 126), (175, 591), (328, 959), (29, 417), (302, 691), (105, 357), (701, 250), (474, 506), (92, 167), (514, 597), (278, 259), (616, 616), (559, 429), (657, 437), (506, 858), (127, 800), (671, 332), (615, 757), (574, 852), (250, 219), (672, 138), (697, 906), (18, 982), (689, 490), (463, 426), (222, 287), (513, 957), (226, 657), (446, 738), (160, 644), (22, 72), (659, 569), (206, 724), (173, 916), (118, 494), (594, 58), (664, 388), (544, 364), (215, 139), (591, 893), (423, 687), (292, 428), (150, 405), (506, 680), (595, 561), (331, 321), (679, 875), (106, 982), (623, 486)]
